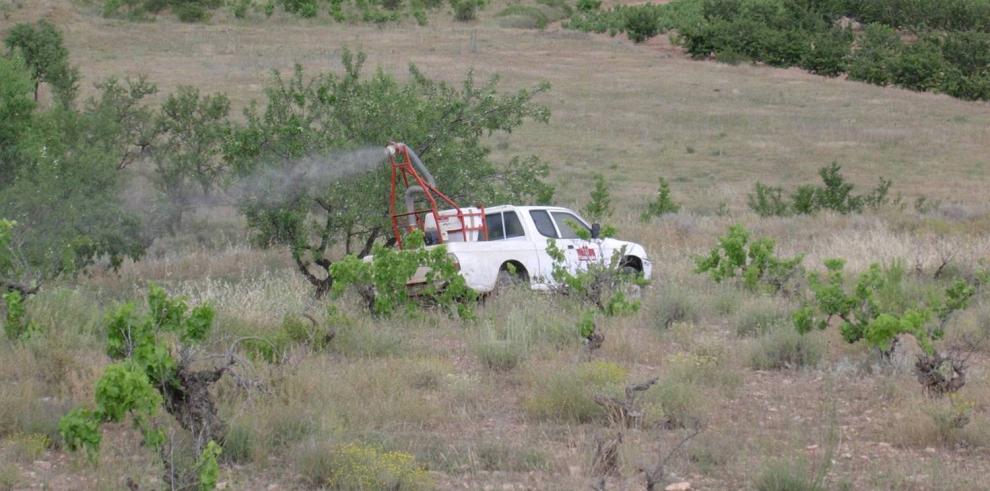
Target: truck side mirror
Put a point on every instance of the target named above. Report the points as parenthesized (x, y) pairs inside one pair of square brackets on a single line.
[(596, 230)]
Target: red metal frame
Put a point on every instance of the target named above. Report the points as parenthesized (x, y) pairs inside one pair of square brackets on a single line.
[(402, 171)]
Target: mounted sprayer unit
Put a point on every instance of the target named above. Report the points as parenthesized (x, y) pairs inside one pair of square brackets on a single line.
[(455, 224)]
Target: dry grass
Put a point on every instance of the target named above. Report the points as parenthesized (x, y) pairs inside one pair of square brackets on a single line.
[(505, 399)]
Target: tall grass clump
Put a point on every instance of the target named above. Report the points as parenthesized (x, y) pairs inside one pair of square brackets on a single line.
[(674, 404), (566, 394), (676, 305), (761, 316), (788, 475), (783, 348)]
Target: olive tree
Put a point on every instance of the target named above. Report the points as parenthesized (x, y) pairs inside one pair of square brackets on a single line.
[(312, 169)]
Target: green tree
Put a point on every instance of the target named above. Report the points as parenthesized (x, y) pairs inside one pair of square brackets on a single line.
[(662, 204), (43, 50), (192, 131), (64, 187), (16, 113), (312, 163), (600, 206)]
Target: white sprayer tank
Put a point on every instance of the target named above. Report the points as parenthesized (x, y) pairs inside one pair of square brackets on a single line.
[(451, 227)]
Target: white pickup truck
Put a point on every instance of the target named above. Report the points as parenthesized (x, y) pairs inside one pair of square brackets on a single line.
[(516, 248)]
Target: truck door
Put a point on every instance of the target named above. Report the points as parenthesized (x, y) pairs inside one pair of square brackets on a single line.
[(578, 252)]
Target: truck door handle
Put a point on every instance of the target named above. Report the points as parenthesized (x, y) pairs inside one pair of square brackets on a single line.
[(570, 246)]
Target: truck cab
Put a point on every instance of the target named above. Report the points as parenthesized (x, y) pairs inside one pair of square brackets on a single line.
[(516, 248)]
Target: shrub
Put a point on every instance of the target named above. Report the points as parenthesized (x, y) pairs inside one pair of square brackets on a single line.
[(760, 317), (603, 285), (363, 339), (788, 33), (588, 5), (788, 476), (538, 18), (382, 282), (662, 204), (288, 424), (754, 261), (863, 314), (16, 324), (420, 15), (785, 349), (465, 10), (827, 53), (500, 354), (870, 61), (146, 377), (706, 364), (641, 24), (676, 305), (25, 448), (185, 10), (10, 477), (673, 404), (953, 15), (239, 444), (354, 466), (191, 12), (767, 201), (835, 194), (567, 394), (498, 456), (240, 8)]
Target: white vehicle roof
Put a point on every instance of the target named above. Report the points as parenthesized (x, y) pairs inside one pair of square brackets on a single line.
[(495, 209)]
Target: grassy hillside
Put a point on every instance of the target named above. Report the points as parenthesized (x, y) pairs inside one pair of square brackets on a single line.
[(426, 385)]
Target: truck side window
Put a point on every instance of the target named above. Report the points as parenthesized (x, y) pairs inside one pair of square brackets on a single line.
[(567, 223), (513, 227), (543, 223), (495, 229)]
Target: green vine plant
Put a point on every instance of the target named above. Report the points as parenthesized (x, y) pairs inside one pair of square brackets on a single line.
[(152, 372), (12, 268), (863, 316), (16, 323), (384, 281), (755, 261), (608, 286)]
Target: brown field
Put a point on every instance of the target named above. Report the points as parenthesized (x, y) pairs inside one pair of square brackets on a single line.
[(422, 385)]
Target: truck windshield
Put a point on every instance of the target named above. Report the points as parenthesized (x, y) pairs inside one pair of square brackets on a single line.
[(569, 224)]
